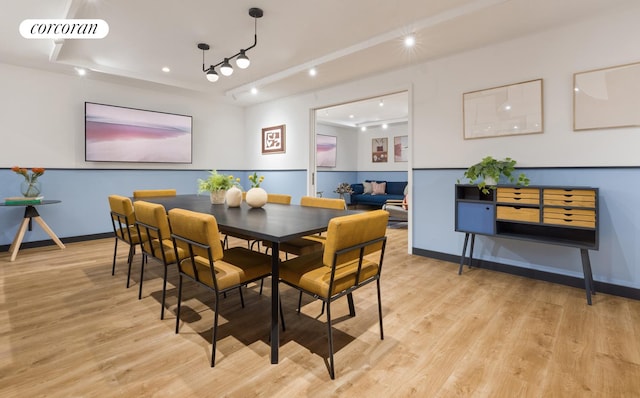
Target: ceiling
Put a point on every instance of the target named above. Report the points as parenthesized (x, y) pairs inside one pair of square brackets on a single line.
[(343, 40)]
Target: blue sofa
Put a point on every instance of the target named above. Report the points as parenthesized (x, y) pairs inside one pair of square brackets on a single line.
[(394, 190)]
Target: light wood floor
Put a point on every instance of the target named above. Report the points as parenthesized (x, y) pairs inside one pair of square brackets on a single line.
[(70, 329)]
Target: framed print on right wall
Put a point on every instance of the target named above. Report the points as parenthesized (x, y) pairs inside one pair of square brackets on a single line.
[(513, 109), (607, 98)]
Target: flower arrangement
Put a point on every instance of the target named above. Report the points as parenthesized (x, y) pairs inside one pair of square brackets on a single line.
[(343, 188), (30, 188), (255, 180), (217, 182)]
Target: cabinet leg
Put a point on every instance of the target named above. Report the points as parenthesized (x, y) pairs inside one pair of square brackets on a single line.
[(588, 276), (473, 242), (464, 252)]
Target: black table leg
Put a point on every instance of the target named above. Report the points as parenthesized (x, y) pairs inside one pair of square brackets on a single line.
[(275, 300)]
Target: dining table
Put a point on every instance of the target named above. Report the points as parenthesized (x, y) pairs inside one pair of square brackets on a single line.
[(275, 223)]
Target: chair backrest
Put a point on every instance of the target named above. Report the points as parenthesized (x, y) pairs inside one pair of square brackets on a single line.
[(123, 218), (147, 193), (197, 227), (154, 215), (326, 203), (279, 198), (353, 230), (122, 205)]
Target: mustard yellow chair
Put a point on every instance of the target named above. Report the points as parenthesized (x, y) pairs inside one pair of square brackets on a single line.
[(152, 221), (147, 193), (208, 264), (311, 243), (346, 264), (123, 220)]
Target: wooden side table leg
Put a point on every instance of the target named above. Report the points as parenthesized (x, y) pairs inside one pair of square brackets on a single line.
[(17, 241), (48, 230)]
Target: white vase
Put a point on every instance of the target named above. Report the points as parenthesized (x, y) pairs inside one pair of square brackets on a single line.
[(490, 181), (217, 197), (256, 197), (233, 197)]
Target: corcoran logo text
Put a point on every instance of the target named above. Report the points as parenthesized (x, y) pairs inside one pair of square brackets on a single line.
[(64, 29)]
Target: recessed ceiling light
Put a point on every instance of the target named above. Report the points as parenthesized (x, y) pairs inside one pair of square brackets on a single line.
[(254, 90), (385, 126), (409, 41), (351, 116), (381, 103), (81, 71), (313, 72), (363, 128), (166, 69)]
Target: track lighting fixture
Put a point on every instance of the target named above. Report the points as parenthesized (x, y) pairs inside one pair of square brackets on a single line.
[(242, 61)]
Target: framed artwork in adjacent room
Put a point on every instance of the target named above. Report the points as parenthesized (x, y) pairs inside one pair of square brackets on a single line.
[(274, 139), (379, 150), (401, 148), (607, 98), (326, 150), (506, 110)]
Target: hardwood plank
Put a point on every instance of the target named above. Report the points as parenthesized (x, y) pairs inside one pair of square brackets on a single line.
[(69, 328)]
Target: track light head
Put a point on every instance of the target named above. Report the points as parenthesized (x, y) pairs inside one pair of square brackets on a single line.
[(226, 69), (242, 61), (212, 75)]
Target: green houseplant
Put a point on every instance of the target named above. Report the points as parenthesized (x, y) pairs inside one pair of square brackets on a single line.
[(486, 173), (217, 185)]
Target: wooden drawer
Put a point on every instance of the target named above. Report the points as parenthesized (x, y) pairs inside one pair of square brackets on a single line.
[(570, 217), (530, 196), (518, 213), (570, 197)]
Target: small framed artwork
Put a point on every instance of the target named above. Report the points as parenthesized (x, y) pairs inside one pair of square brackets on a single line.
[(326, 150), (274, 139), (379, 150), (606, 98), (506, 110), (401, 148)]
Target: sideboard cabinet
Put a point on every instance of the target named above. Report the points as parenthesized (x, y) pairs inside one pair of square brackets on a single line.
[(557, 215)]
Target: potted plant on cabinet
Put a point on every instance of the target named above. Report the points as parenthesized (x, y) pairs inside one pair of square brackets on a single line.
[(486, 173)]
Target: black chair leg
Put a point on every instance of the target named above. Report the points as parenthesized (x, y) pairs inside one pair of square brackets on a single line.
[(179, 302), (115, 251), (241, 297), (141, 278), (352, 307), (380, 310), (330, 335), (129, 272), (214, 334), (300, 302), (261, 285), (164, 292)]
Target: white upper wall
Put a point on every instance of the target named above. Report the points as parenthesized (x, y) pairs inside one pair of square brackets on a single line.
[(436, 90), (42, 117)]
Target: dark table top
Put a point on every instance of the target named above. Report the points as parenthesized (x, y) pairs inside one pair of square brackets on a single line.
[(273, 222)]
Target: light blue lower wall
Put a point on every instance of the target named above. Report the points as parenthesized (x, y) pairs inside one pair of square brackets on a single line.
[(617, 262), (84, 209)]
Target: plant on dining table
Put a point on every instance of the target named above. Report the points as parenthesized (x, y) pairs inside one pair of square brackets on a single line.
[(217, 182), (255, 180)]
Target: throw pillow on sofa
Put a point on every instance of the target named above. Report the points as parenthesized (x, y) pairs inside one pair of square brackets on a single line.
[(368, 188), (378, 188)]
